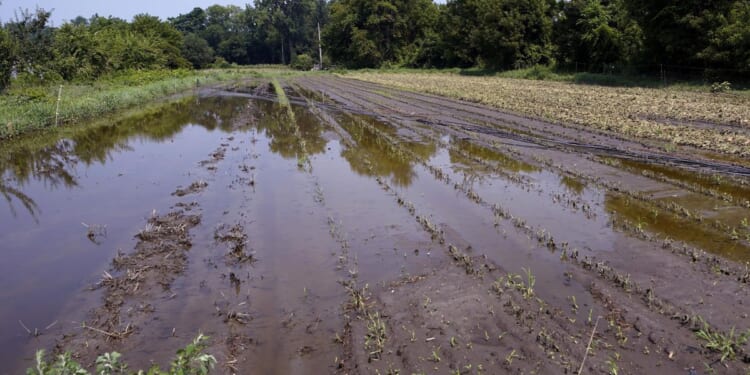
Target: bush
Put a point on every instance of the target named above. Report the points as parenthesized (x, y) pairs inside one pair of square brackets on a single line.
[(221, 63), (540, 72), (717, 87), (303, 62), (196, 50)]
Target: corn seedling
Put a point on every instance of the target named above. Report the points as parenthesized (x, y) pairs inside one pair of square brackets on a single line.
[(376, 336), (436, 355), (510, 357), (613, 368), (727, 344)]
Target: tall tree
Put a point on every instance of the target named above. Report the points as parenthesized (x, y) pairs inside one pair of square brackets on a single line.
[(291, 24), (364, 33), (77, 53), (163, 35), (33, 41), (7, 58), (676, 31), (190, 23), (729, 44), (595, 32), (196, 50), (498, 33)]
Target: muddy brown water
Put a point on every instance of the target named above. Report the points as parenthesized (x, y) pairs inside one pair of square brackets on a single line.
[(299, 211)]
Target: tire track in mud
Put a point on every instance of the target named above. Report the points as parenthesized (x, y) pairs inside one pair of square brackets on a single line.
[(461, 258), (720, 227), (539, 131), (476, 128), (466, 263), (294, 315), (619, 278), (668, 206)]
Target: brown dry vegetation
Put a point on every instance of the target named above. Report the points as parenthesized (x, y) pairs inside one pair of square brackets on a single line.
[(670, 115)]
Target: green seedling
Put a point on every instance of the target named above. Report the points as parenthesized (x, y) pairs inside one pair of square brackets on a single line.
[(376, 336), (728, 345), (510, 357), (436, 355), (613, 368)]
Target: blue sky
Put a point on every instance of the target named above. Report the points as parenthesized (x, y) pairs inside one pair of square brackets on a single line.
[(66, 9), (63, 10)]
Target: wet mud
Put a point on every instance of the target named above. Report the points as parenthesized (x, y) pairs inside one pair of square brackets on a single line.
[(362, 229)]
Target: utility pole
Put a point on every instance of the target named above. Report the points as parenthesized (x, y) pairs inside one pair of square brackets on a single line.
[(320, 48)]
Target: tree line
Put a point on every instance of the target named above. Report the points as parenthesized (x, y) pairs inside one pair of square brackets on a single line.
[(491, 34)]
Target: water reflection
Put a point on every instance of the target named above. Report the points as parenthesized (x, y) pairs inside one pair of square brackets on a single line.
[(484, 153), (9, 193), (52, 158), (274, 122), (376, 156), (639, 216), (572, 184)]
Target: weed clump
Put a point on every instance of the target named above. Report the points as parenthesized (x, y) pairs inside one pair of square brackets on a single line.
[(189, 360)]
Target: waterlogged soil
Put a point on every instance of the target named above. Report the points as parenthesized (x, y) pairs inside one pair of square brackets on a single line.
[(368, 230)]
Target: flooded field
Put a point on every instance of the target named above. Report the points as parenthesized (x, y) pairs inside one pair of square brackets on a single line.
[(351, 228)]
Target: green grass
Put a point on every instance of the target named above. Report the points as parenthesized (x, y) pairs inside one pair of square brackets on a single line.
[(28, 106), (280, 94)]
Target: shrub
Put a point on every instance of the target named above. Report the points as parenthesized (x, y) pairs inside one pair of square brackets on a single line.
[(303, 62), (221, 63), (717, 87)]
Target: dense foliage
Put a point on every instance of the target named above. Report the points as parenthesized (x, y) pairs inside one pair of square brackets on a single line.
[(189, 360), (495, 34)]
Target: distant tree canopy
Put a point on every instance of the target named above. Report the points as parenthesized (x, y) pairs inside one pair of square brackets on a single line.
[(366, 33), (496, 34)]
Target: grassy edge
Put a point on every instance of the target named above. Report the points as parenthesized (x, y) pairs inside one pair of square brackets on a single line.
[(85, 102)]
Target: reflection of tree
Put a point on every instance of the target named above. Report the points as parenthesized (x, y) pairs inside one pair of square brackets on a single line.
[(52, 157), (481, 152), (275, 123), (9, 192), (52, 164), (375, 156), (312, 131)]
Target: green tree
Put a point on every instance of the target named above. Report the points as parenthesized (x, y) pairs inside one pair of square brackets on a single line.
[(291, 25), (498, 33), (33, 41), (595, 32), (677, 31), (163, 35), (77, 54), (196, 50), (190, 23), (7, 58), (729, 44), (364, 33)]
